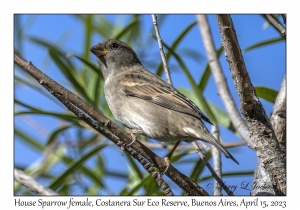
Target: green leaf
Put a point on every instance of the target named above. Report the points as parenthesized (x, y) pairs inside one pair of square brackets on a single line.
[(97, 85), (199, 166), (70, 73), (29, 140), (116, 174), (46, 44), (134, 166), (89, 173), (223, 117), (89, 64), (39, 88), (177, 156), (182, 35), (264, 43), (174, 45), (85, 171), (152, 188), (56, 133), (98, 90), (88, 23), (26, 105), (70, 118), (206, 73), (73, 166), (192, 53), (145, 181), (103, 26), (227, 174), (266, 93), (127, 28)]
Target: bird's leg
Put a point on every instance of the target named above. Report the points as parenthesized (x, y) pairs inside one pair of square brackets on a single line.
[(132, 133), (168, 157)]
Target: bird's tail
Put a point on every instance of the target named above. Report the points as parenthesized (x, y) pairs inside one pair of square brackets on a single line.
[(220, 147)]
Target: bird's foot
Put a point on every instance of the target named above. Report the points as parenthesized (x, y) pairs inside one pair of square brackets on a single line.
[(168, 157), (168, 163), (133, 136), (107, 123), (132, 133)]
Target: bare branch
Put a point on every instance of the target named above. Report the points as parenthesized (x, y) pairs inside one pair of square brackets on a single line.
[(213, 173), (278, 118), (278, 121), (277, 25), (31, 184), (264, 140), (216, 154), (262, 185), (216, 69), (190, 147), (161, 49), (284, 18)]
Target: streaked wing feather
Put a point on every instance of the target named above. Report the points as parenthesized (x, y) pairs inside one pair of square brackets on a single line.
[(158, 92)]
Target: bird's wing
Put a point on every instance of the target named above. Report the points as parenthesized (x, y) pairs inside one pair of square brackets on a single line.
[(140, 84)]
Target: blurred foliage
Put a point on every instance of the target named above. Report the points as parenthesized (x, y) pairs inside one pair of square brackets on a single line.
[(85, 79)]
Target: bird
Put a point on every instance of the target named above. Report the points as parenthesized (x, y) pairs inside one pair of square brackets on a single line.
[(145, 103)]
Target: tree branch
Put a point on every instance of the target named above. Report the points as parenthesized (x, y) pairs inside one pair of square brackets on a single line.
[(190, 147), (278, 118), (216, 154), (284, 18), (278, 121), (264, 140), (31, 184), (161, 49), (277, 25), (216, 69), (213, 173)]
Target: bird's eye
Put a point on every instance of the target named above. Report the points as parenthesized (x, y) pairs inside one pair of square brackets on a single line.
[(114, 46)]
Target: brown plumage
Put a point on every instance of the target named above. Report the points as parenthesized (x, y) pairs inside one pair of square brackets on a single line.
[(145, 103)]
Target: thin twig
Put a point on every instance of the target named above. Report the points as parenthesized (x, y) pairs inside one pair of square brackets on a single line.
[(216, 69), (190, 147), (216, 154), (262, 134), (161, 49), (284, 18), (213, 173), (277, 25), (31, 184)]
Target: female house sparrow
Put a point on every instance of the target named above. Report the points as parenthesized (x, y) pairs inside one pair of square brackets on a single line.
[(145, 103)]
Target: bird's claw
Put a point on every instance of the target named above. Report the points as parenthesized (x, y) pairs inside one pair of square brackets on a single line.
[(134, 138), (107, 123), (167, 160)]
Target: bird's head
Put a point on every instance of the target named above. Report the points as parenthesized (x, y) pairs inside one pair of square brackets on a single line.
[(114, 56)]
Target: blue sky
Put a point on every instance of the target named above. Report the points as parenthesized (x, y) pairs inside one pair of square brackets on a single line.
[(266, 67)]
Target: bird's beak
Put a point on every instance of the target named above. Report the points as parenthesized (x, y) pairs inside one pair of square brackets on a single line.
[(98, 50)]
